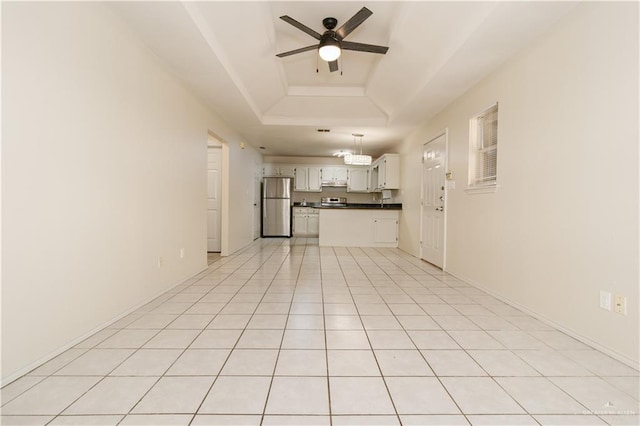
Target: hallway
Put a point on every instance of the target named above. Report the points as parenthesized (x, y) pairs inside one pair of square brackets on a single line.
[(286, 332)]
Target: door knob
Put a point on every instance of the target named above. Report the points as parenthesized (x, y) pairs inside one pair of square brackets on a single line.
[(439, 209), (442, 198)]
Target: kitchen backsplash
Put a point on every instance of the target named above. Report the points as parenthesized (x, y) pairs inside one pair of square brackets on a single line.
[(352, 197)]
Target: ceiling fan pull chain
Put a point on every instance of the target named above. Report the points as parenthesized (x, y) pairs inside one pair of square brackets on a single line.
[(317, 66)]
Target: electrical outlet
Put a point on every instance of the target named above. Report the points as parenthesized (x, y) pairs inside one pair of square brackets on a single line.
[(605, 300), (621, 305), (160, 262), (182, 253)]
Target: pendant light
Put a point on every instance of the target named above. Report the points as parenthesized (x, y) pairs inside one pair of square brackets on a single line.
[(357, 159)]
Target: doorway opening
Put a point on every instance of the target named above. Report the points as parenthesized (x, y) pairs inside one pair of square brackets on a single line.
[(433, 217), (214, 195), (257, 218)]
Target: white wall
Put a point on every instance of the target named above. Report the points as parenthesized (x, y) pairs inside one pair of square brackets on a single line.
[(103, 170), (239, 189), (564, 222)]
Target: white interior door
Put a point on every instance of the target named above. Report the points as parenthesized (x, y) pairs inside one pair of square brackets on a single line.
[(214, 186), (434, 156), (256, 207)]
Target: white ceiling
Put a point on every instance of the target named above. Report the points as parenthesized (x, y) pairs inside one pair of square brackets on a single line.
[(225, 52)]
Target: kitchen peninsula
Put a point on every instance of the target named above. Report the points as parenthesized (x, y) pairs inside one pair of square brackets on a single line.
[(357, 224)]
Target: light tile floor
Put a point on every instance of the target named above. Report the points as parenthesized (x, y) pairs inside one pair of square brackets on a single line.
[(287, 333)]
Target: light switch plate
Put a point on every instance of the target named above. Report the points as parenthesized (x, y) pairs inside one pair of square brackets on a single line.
[(605, 300)]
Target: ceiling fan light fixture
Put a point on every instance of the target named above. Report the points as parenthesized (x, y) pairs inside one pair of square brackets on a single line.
[(329, 48), (331, 42)]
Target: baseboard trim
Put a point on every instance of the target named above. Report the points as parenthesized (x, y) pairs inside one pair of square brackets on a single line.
[(24, 371), (537, 315)]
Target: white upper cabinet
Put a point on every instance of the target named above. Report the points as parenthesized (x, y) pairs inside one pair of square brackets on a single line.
[(334, 176), (357, 179), (285, 170), (384, 173), (315, 183), (387, 168), (301, 179), (307, 179)]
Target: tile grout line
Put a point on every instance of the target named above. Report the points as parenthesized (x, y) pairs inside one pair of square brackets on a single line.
[(241, 334), (326, 345), (194, 339), (393, 282), (284, 330), (420, 351), (488, 374), (187, 347), (393, 404)]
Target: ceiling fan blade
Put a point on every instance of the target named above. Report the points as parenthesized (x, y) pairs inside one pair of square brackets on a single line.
[(354, 22), (293, 52), (333, 66), (301, 27), (362, 47)]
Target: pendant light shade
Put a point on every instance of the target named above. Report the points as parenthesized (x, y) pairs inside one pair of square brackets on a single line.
[(357, 159)]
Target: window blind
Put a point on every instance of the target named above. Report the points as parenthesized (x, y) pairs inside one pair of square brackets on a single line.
[(485, 150)]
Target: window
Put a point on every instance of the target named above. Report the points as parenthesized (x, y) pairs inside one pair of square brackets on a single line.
[(483, 149)]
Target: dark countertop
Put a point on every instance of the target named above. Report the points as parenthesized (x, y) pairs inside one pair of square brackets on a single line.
[(362, 206)]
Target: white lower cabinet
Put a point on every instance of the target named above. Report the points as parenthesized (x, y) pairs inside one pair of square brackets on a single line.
[(306, 222), (385, 230), (313, 225), (359, 227)]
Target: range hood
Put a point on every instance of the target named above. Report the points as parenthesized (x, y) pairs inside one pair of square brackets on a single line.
[(334, 183)]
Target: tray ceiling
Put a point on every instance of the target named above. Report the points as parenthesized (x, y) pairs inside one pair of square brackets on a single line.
[(225, 52)]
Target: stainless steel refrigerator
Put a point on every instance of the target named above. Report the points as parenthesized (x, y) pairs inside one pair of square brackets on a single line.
[(276, 206)]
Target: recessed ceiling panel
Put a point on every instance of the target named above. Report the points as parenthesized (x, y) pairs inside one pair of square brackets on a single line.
[(355, 68), (324, 111)]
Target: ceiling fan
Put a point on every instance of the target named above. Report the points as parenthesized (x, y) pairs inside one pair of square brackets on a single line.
[(332, 42)]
